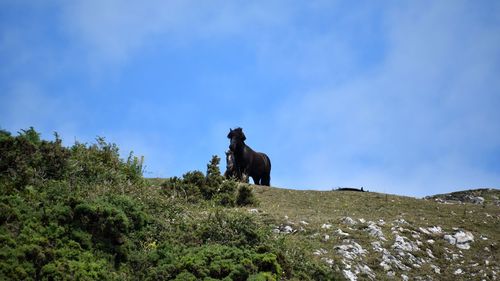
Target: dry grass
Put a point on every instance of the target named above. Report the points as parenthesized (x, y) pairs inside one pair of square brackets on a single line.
[(316, 208)]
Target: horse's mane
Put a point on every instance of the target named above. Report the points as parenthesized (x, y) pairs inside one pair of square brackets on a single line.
[(237, 132)]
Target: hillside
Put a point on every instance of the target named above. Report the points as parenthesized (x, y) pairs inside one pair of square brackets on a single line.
[(82, 213), (373, 236)]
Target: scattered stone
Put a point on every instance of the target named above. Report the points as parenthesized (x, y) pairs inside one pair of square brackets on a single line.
[(366, 271), (349, 275), (341, 233), (362, 220), (326, 237), (351, 250), (388, 259), (284, 229), (304, 223), (400, 221), (435, 230), (429, 253), (461, 239), (458, 271), (401, 244), (375, 231), (430, 241), (287, 229), (404, 277), (320, 252), (326, 226), (253, 211), (424, 231), (328, 261), (348, 221), (431, 230), (476, 200), (450, 239), (437, 270)]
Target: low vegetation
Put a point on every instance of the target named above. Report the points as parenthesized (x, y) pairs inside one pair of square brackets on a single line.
[(82, 213)]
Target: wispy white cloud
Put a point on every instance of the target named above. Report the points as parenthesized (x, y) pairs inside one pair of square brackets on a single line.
[(25, 104), (116, 30), (414, 123)]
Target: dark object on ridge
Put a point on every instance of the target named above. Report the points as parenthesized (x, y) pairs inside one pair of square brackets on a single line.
[(248, 163), (349, 189)]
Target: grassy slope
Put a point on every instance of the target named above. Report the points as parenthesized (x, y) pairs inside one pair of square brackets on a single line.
[(316, 208)]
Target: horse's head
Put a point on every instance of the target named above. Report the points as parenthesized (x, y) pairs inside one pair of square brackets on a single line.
[(237, 139)]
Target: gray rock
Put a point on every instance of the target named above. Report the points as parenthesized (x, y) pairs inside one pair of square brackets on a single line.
[(348, 221), (476, 200), (326, 226), (375, 231), (349, 275), (458, 271), (403, 244), (320, 252), (450, 239), (284, 229), (341, 233), (461, 239)]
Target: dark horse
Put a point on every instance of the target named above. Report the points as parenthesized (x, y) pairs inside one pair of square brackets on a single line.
[(248, 163)]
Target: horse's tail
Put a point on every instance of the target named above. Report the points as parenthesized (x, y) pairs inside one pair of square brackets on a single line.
[(268, 162), (266, 179)]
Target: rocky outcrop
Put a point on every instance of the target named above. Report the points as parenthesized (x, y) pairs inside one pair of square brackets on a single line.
[(402, 251)]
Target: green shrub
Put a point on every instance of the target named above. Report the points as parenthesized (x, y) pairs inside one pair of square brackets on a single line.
[(82, 213), (100, 163), (211, 262), (213, 179), (194, 186), (228, 228), (27, 160), (109, 221), (245, 196)]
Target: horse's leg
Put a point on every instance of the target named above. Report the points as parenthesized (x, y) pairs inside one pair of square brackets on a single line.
[(266, 180), (256, 180)]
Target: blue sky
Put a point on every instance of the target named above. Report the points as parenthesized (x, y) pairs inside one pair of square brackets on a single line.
[(400, 97)]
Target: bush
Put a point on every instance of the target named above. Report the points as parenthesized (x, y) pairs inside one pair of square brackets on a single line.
[(212, 262), (213, 179), (109, 221), (26, 160), (82, 213), (194, 186), (245, 196), (230, 229), (100, 164)]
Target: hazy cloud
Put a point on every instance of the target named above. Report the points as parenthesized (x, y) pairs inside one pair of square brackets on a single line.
[(419, 121)]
